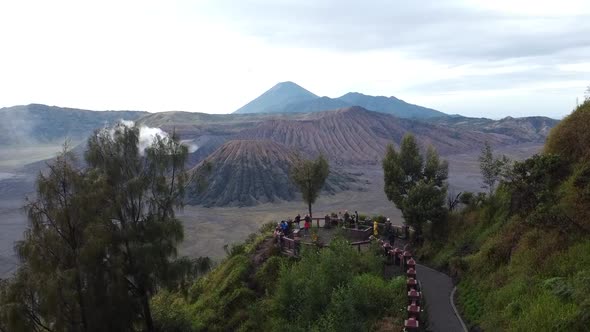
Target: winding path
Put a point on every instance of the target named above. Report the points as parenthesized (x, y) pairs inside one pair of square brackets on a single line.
[(437, 289)]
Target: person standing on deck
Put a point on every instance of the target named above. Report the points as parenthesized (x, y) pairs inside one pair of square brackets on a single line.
[(307, 224), (390, 231), (346, 218), (298, 220), (375, 228)]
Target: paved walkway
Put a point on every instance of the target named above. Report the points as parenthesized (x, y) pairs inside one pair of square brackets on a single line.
[(436, 289)]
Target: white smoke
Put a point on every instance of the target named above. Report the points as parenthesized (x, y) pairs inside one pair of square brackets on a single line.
[(191, 145), (148, 134), (127, 123)]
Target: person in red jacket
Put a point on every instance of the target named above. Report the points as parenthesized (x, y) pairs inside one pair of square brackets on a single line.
[(307, 224)]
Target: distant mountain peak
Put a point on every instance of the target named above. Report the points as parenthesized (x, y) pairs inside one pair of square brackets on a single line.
[(289, 97), (354, 93), (287, 85), (274, 99)]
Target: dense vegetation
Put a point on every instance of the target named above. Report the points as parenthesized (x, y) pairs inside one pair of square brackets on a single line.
[(522, 254), (101, 240), (256, 289)]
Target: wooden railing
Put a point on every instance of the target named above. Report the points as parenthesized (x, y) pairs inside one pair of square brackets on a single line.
[(292, 247), (358, 244), (359, 234), (289, 246)]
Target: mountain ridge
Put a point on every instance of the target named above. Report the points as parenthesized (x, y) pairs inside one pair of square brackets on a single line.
[(288, 97), (38, 123), (390, 105), (354, 135)]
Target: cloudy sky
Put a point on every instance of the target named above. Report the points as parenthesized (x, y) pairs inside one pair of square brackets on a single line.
[(471, 57)]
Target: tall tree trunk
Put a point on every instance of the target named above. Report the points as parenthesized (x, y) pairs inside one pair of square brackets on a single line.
[(309, 206), (147, 313), (81, 301)]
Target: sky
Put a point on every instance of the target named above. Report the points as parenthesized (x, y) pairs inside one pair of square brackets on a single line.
[(471, 57)]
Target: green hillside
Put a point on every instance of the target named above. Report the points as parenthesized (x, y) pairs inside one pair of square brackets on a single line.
[(522, 255), (257, 289)]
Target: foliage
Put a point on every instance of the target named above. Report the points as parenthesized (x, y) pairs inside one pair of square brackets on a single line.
[(309, 176), (144, 188), (63, 282), (521, 254), (415, 185), (491, 167), (334, 289), (101, 240), (571, 137), (326, 286), (357, 306)]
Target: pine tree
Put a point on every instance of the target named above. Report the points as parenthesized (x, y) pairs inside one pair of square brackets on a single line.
[(145, 188), (63, 283)]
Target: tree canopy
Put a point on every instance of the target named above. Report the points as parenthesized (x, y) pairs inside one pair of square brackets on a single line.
[(309, 176), (415, 184), (491, 167), (101, 240)]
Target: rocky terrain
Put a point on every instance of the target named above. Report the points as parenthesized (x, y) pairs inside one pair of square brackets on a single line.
[(246, 172), (529, 129), (249, 172), (355, 135)]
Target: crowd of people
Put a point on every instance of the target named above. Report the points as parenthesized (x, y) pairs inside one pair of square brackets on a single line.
[(286, 227), (349, 220), (292, 228)]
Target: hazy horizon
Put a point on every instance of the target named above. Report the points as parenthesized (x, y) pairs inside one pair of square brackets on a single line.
[(474, 58)]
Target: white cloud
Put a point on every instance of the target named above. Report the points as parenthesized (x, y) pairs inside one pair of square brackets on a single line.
[(215, 56)]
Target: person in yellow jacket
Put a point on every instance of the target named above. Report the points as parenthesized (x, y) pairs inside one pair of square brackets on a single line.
[(375, 228)]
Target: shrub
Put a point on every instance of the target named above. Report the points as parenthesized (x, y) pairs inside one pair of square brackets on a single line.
[(171, 313), (571, 137), (357, 306), (306, 288), (379, 218), (267, 275)]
